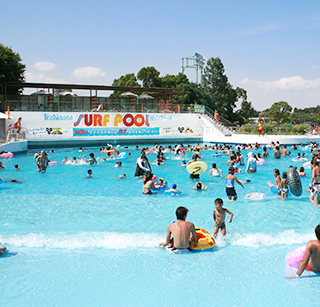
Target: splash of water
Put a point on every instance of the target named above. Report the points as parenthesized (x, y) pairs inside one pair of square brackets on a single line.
[(112, 240)]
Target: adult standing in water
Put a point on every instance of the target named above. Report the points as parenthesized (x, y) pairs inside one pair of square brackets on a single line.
[(311, 259), (230, 178), (180, 233), (42, 161), (143, 165), (251, 163), (315, 184), (148, 184)]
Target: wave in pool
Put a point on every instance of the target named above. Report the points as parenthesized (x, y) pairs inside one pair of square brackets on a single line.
[(112, 240)]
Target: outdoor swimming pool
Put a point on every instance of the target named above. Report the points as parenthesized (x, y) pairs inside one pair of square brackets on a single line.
[(77, 242)]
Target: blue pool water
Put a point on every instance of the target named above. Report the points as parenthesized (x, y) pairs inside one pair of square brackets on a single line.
[(77, 242)]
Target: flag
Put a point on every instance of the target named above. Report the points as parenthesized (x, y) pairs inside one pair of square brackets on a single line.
[(8, 113)]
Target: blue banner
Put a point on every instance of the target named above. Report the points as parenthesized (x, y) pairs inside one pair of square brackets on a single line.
[(114, 131)]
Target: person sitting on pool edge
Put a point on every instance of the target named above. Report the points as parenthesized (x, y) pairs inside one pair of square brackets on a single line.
[(180, 231), (311, 259)]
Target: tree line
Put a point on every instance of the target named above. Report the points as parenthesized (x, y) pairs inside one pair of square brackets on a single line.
[(215, 92)]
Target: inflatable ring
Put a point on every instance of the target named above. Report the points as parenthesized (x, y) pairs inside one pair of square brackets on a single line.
[(261, 161), (6, 155), (294, 182), (205, 240), (275, 190), (255, 196), (294, 257), (192, 166), (307, 165), (300, 160), (172, 193), (53, 162)]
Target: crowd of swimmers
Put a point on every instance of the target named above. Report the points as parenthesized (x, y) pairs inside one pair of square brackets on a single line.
[(144, 170)]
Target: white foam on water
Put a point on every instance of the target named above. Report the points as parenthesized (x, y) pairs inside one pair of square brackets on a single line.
[(287, 237), (112, 240), (109, 240), (77, 163)]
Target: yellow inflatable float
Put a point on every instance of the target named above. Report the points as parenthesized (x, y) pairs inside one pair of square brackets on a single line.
[(191, 168), (205, 240)]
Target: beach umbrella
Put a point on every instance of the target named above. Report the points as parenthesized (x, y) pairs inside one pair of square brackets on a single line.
[(41, 92), (145, 96), (128, 94), (66, 93)]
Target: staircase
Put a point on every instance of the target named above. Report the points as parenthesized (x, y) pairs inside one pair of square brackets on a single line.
[(213, 127)]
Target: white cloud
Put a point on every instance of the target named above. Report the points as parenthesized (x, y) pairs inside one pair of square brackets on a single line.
[(45, 66), (88, 72), (295, 90), (41, 78), (295, 83)]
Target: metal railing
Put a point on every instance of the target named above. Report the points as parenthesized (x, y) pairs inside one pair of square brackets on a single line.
[(34, 103), (14, 136), (209, 115)]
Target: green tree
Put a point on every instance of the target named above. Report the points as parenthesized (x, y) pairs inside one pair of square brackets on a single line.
[(247, 110), (149, 77), (222, 95), (197, 95), (11, 68), (126, 80), (280, 111)]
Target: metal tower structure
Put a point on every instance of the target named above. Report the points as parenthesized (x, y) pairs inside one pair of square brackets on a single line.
[(197, 61)]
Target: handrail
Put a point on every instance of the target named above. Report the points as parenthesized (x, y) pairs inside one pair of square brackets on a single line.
[(221, 119)]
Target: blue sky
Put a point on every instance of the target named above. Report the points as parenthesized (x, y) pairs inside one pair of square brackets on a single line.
[(270, 48)]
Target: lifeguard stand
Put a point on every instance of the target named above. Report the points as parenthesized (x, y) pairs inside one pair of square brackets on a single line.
[(197, 61)]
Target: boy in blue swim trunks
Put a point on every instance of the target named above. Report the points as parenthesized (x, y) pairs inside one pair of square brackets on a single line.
[(219, 216)]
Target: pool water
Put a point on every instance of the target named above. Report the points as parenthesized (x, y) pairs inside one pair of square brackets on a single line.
[(74, 241)]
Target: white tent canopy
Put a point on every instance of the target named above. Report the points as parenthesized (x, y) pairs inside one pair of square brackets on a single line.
[(128, 94), (145, 96), (41, 92), (65, 93)]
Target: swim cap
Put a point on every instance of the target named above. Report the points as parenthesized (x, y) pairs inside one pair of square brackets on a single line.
[(174, 186), (20, 117)]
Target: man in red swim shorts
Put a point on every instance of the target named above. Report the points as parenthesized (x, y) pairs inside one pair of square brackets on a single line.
[(260, 129), (17, 124), (311, 259)]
